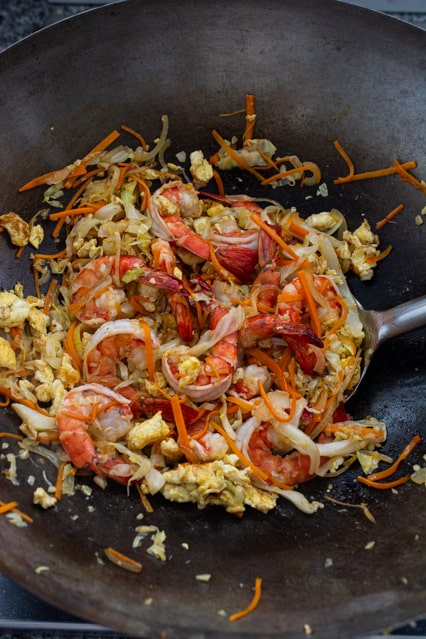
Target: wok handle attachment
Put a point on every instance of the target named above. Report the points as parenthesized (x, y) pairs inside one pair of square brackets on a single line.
[(401, 319)]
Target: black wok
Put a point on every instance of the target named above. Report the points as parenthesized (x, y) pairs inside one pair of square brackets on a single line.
[(320, 71)]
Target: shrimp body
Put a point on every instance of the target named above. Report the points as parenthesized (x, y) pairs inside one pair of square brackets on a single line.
[(290, 469), (165, 260), (205, 380), (113, 346), (264, 325), (94, 411), (170, 203), (97, 291)]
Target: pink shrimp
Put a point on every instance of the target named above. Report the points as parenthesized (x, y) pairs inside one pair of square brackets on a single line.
[(171, 203), (92, 411), (207, 380), (97, 291), (290, 469), (165, 260), (264, 325), (113, 345)]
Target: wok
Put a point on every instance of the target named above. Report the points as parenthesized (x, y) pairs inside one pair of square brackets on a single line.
[(319, 71)]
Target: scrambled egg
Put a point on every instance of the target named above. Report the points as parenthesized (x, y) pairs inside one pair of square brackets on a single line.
[(13, 310), (218, 483), (362, 246), (200, 169), (147, 432)]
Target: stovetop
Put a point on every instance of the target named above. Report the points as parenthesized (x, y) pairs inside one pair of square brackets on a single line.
[(22, 615)]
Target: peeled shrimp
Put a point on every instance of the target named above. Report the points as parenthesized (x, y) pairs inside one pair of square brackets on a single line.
[(93, 411)]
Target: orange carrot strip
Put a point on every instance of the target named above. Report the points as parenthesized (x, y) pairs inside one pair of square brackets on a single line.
[(183, 437), (391, 469), (297, 230), (135, 302), (19, 252), (19, 512), (283, 174), (408, 177), (250, 118), (136, 135), (234, 155), (383, 485), (245, 460), (20, 400), (306, 281), (49, 297), (381, 256), (273, 235), (219, 183), (271, 408), (389, 216), (81, 210), (367, 175), (245, 406), (11, 435), (53, 256), (59, 479), (253, 604), (6, 508), (69, 347), (149, 350), (144, 499), (122, 561), (146, 199), (221, 270), (270, 363), (346, 158)]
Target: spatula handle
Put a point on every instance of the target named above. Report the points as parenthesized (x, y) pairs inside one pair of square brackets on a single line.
[(402, 318)]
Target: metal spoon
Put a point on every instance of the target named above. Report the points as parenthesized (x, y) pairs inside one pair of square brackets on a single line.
[(380, 326)]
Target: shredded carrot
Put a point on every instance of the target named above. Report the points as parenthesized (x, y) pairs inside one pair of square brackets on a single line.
[(59, 480), (219, 183), (311, 168), (383, 485), (19, 252), (389, 216), (253, 604), (346, 158), (381, 256), (390, 471), (183, 437), (49, 296), (221, 270), (136, 135), (19, 512), (270, 363), (245, 406), (6, 508), (368, 175), (144, 499), (235, 156), (305, 278), (273, 235), (149, 350), (408, 177), (245, 460), (144, 188), (271, 407), (21, 400), (296, 229), (123, 561), (136, 302), (53, 256), (81, 210), (11, 435), (250, 118), (69, 347)]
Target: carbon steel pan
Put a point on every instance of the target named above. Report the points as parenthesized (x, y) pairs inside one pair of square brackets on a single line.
[(319, 71)]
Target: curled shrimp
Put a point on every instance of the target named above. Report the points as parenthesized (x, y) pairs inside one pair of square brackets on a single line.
[(93, 411), (116, 355), (165, 260), (97, 290), (264, 325), (205, 380), (170, 203)]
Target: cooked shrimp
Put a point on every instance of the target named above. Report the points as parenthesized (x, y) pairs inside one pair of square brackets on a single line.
[(91, 412), (165, 260), (117, 350), (207, 380), (97, 291), (170, 203), (264, 325)]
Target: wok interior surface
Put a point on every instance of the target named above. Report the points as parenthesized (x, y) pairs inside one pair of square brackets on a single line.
[(319, 71)]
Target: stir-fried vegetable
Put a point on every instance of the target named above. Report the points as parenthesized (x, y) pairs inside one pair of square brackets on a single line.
[(192, 343)]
